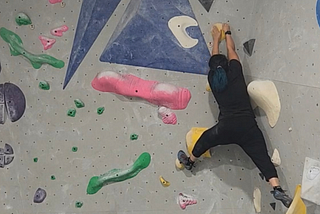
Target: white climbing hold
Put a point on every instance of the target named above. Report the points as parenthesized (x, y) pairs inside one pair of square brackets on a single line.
[(275, 159), (290, 129), (265, 95), (178, 26), (257, 199)]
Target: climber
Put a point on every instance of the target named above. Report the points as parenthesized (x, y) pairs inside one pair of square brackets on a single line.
[(237, 124)]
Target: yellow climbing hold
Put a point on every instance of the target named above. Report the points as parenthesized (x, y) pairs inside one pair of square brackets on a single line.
[(191, 138), (164, 182), (179, 165), (297, 206), (223, 35)]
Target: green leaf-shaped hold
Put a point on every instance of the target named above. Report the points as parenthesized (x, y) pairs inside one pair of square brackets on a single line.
[(79, 103), (23, 19), (117, 175), (44, 85)]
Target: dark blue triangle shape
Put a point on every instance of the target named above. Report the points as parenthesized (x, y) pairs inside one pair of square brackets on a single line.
[(143, 38), (206, 4), (93, 16)]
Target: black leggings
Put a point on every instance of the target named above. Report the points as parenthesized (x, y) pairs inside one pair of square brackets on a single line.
[(244, 132)]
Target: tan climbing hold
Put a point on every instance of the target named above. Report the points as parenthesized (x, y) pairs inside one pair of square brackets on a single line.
[(208, 87), (257, 199), (265, 95), (275, 159), (191, 138), (179, 165)]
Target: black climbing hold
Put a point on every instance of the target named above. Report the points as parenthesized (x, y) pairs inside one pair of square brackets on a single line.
[(39, 196), (248, 46), (2, 105), (261, 175), (8, 149), (1, 161), (206, 4), (8, 160), (273, 205), (15, 101)]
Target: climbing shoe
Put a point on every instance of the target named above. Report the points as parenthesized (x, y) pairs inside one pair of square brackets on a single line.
[(280, 195), (185, 160)]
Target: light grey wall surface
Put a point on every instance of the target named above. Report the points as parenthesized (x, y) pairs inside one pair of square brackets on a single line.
[(223, 184), (287, 53)]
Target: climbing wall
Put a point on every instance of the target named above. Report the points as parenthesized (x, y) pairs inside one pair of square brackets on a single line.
[(286, 52), (60, 153)]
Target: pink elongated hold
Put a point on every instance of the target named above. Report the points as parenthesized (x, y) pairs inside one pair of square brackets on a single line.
[(55, 1), (46, 42), (185, 200), (161, 94), (59, 30), (167, 116)]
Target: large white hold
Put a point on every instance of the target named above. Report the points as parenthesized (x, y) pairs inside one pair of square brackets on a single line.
[(178, 26), (264, 94)]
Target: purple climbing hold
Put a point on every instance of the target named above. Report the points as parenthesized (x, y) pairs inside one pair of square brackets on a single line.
[(8, 160), (1, 161), (15, 101), (8, 150), (39, 196), (2, 105)]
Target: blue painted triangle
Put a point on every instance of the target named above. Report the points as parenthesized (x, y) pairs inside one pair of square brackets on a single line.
[(93, 16), (143, 38)]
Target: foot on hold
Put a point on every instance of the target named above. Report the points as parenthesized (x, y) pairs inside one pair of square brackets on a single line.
[(185, 160), (185, 200), (280, 195)]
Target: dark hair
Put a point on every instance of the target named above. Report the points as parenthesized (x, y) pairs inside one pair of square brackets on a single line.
[(218, 72)]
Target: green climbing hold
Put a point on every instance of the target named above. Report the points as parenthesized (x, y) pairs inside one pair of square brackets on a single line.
[(72, 112), (16, 49), (44, 85), (35, 160), (74, 149), (53, 177), (23, 19), (79, 204), (117, 175), (79, 103), (133, 136), (100, 110)]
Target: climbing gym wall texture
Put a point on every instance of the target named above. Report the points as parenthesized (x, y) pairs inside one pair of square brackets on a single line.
[(287, 52), (97, 97)]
